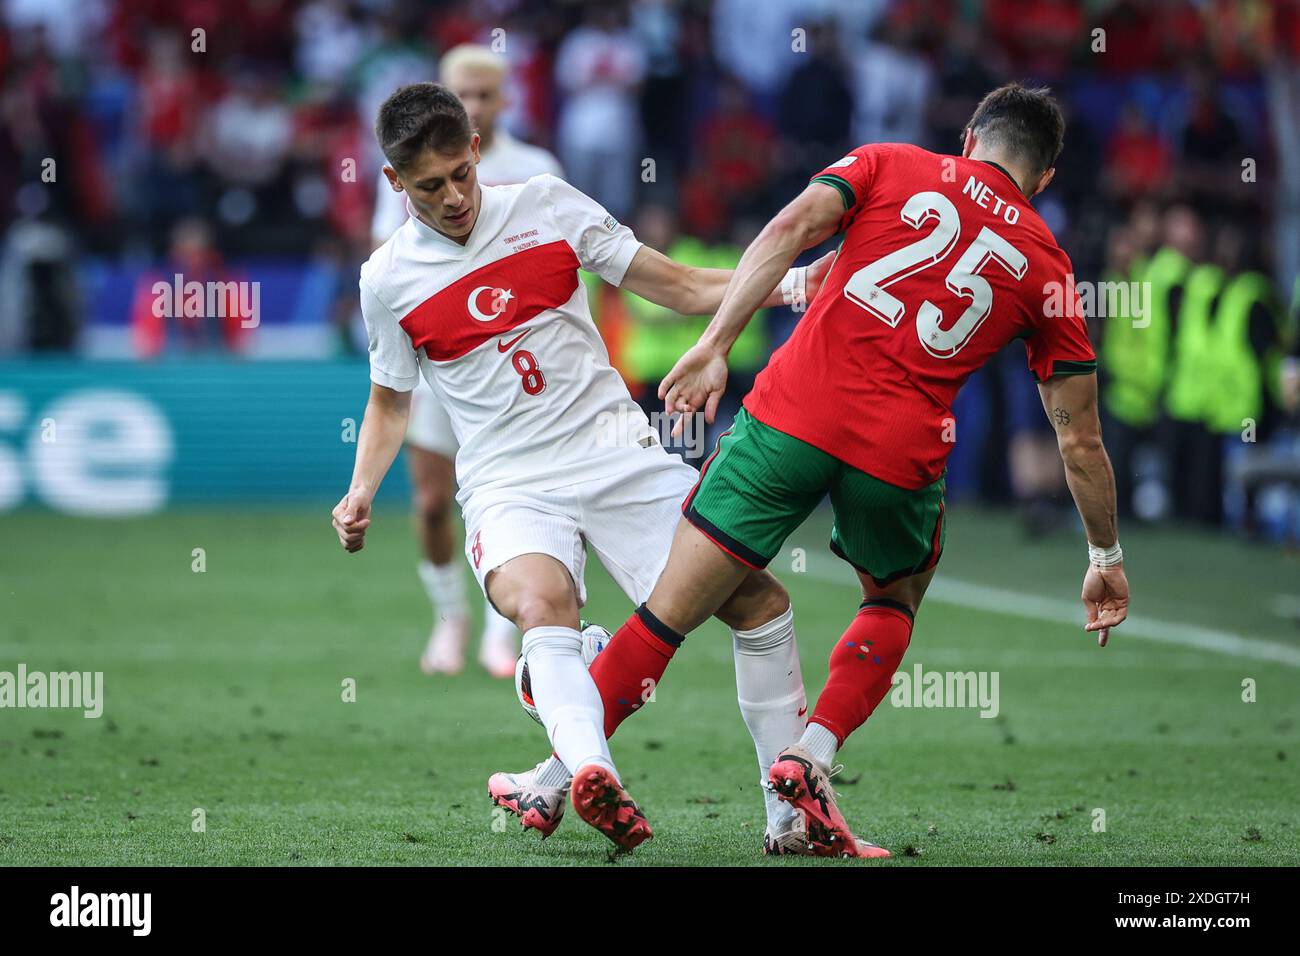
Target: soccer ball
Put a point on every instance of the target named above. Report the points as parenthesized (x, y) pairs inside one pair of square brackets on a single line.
[(594, 639)]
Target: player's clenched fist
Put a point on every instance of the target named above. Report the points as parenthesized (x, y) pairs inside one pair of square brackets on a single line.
[(351, 519)]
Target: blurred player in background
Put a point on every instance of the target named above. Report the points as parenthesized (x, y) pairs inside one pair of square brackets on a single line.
[(944, 262), (478, 77)]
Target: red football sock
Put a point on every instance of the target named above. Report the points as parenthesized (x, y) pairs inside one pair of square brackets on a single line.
[(628, 670), (862, 666)]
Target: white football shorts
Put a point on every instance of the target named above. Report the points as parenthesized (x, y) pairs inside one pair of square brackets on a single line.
[(628, 517)]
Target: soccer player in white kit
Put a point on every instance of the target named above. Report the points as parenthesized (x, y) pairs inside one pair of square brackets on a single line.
[(477, 76), (478, 293)]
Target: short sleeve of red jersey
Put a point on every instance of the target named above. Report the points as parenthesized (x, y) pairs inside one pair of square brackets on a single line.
[(1059, 344), (851, 176), (602, 244)]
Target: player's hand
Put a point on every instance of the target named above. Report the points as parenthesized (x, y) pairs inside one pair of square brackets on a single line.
[(1105, 596), (351, 519), (697, 381)]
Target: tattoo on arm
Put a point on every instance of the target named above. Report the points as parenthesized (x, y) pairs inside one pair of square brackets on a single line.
[(1060, 416)]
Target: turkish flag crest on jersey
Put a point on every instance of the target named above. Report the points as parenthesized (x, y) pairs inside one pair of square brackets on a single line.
[(493, 299), (501, 303)]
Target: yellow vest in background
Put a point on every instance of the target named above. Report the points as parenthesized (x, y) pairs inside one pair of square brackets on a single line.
[(1237, 372), (657, 337), (1192, 385), (1136, 359)]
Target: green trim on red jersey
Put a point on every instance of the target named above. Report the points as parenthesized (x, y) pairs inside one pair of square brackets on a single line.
[(845, 190), (1061, 367)]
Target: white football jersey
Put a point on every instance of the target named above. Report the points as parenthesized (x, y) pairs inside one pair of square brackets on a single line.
[(501, 331), (508, 161)]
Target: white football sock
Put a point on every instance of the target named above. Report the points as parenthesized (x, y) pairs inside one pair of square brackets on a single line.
[(445, 585), (769, 688), (566, 697), (497, 629), (821, 743), (552, 773)]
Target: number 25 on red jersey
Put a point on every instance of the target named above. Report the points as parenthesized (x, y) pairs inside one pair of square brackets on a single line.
[(866, 287)]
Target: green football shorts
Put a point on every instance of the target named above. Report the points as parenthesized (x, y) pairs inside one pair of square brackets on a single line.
[(760, 484)]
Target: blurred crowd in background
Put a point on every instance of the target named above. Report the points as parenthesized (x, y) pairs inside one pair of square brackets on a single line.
[(232, 138)]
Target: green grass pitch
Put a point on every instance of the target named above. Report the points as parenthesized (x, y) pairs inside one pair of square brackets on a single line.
[(224, 693)]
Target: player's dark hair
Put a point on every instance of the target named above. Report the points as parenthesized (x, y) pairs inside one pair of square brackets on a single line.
[(1026, 122), (419, 117)]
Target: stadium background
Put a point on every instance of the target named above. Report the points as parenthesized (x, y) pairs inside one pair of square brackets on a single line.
[(128, 154)]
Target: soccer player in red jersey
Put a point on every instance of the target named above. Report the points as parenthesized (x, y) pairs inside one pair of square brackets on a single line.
[(944, 262)]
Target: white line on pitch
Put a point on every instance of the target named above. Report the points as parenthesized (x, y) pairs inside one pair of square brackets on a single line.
[(1033, 607)]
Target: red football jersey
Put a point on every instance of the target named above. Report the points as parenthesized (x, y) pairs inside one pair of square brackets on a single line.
[(943, 262)]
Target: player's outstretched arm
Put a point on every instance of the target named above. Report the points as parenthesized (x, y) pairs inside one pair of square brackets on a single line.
[(382, 432), (1071, 405), (691, 290), (699, 377)]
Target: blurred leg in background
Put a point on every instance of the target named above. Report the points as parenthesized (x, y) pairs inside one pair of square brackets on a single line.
[(1034, 464), (431, 455)]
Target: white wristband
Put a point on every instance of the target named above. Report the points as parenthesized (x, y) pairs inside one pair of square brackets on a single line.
[(794, 288), (1105, 557)]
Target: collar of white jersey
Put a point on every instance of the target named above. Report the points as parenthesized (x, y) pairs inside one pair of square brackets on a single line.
[(487, 210)]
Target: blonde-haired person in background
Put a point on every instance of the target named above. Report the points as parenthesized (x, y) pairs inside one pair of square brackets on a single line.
[(478, 77)]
